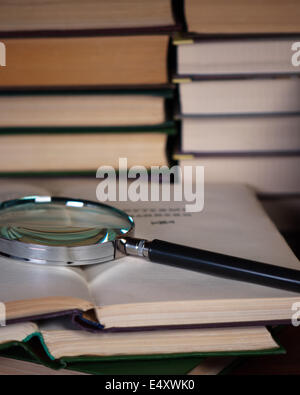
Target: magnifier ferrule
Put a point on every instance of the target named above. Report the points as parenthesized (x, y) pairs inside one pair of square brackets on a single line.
[(135, 247)]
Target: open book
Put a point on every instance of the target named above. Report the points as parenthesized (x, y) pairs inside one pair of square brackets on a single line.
[(134, 293)]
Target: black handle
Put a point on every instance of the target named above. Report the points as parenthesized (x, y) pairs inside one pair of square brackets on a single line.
[(224, 265)]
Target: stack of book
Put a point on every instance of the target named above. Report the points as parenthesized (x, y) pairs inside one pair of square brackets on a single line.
[(87, 83), (84, 84), (240, 92)]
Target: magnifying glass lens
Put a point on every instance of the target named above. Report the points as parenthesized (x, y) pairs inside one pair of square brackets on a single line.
[(61, 222)]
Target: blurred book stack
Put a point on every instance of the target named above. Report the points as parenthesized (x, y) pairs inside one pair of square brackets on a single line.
[(239, 92), (85, 83)]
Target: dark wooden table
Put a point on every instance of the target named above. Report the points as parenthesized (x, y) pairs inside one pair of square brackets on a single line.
[(288, 364)]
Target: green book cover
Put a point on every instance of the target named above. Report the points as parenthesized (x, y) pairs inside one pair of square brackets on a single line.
[(34, 349), (167, 127)]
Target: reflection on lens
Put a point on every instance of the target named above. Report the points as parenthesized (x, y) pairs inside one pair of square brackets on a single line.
[(61, 222)]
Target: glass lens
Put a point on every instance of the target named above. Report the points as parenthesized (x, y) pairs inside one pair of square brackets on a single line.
[(61, 222)]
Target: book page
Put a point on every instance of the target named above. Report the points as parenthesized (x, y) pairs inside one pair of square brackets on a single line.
[(21, 280), (17, 332)]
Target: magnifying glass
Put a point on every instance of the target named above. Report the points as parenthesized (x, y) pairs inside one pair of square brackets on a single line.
[(67, 232)]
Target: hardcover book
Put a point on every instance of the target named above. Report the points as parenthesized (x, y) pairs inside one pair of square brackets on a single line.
[(60, 152), (238, 135), (74, 17), (85, 62), (85, 110), (200, 58), (197, 351), (241, 96), (242, 16), (267, 173)]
